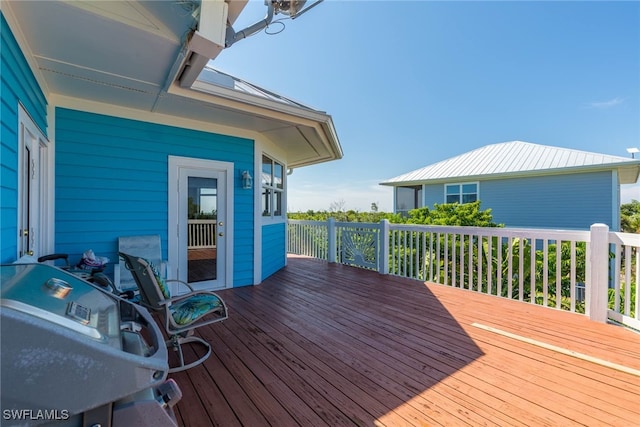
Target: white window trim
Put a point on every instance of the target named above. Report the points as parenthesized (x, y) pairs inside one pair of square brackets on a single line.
[(460, 184), (272, 219)]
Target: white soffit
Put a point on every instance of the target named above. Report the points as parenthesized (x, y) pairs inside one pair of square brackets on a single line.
[(129, 13)]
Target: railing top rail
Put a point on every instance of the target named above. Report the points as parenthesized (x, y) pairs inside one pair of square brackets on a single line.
[(201, 221), (368, 225), (627, 239), (535, 233), (307, 222)]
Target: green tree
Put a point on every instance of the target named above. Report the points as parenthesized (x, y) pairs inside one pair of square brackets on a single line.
[(630, 217), (468, 215)]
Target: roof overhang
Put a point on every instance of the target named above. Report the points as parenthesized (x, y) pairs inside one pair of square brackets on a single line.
[(133, 54), (628, 173)]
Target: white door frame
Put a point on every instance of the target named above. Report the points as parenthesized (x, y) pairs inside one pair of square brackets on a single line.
[(176, 163), (40, 212)]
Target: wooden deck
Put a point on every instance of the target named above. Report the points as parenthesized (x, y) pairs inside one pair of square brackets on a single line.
[(325, 344)]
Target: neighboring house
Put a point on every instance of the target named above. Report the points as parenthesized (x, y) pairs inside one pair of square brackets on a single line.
[(113, 125), (524, 184)]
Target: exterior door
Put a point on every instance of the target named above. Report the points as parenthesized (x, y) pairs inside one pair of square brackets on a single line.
[(32, 197), (202, 223)]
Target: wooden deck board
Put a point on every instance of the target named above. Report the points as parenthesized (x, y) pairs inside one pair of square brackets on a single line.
[(324, 344)]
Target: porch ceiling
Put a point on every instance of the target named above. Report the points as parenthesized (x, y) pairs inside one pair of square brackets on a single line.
[(128, 53)]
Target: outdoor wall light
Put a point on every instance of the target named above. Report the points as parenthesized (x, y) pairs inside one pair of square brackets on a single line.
[(247, 181)]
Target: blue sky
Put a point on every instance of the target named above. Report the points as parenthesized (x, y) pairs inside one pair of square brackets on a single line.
[(410, 83)]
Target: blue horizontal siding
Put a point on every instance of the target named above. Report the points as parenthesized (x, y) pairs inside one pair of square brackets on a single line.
[(112, 180), (433, 194), (19, 80), (273, 248), (17, 84), (573, 201), (569, 201)]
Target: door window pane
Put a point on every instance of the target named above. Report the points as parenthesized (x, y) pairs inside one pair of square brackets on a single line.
[(202, 208), (202, 198)]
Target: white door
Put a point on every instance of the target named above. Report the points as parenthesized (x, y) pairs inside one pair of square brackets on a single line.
[(32, 218), (202, 222)]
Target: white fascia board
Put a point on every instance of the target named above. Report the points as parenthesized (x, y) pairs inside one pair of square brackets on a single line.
[(331, 133)]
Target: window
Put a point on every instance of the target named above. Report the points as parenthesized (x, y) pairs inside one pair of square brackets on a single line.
[(272, 187), (461, 193), (408, 198)]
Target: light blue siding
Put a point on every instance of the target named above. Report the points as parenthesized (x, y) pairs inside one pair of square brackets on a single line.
[(571, 201), (112, 180), (562, 201), (18, 84), (273, 248), (433, 194)]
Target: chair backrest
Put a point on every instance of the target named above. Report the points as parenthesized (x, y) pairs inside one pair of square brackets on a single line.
[(145, 279), (147, 247)]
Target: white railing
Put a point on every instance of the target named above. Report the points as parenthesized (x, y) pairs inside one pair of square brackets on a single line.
[(625, 306), (201, 233), (309, 238), (593, 272)]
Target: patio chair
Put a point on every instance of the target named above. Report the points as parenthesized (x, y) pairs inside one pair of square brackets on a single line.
[(181, 314), (147, 247)]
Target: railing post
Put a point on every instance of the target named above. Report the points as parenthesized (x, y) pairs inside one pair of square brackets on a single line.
[(331, 232), (383, 256), (598, 290)]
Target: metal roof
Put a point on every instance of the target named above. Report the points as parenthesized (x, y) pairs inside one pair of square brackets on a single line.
[(222, 79), (519, 158)]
